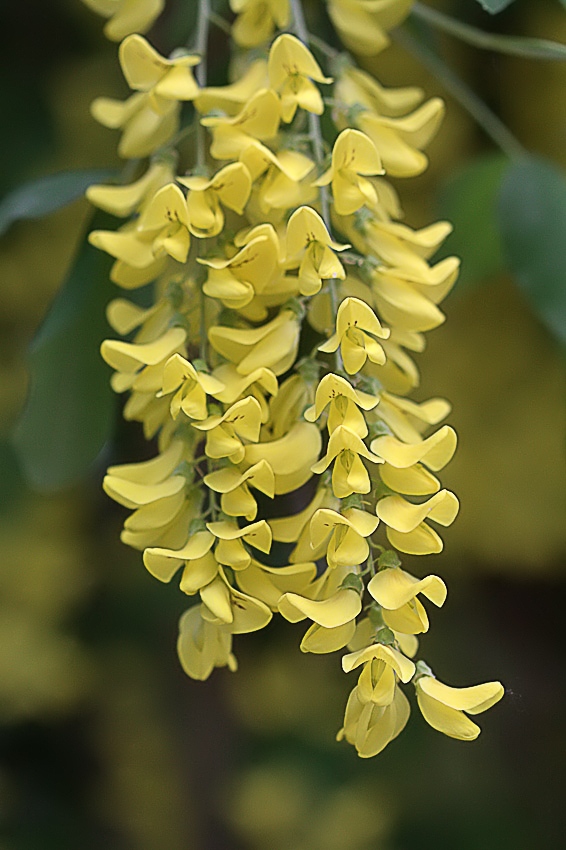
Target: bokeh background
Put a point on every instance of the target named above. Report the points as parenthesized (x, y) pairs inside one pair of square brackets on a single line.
[(103, 740)]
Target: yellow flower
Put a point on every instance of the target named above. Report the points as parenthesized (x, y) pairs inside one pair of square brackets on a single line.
[(342, 607), (202, 645), (354, 157), (227, 607), (362, 24), (268, 584), (356, 87), (443, 707), (283, 185), (190, 387), (257, 121), (230, 550), (166, 217), (291, 68), (370, 727), (140, 365), (403, 469), (310, 247), (231, 186), (256, 383), (144, 128), (225, 433), (235, 281), (236, 499), (257, 19), (124, 200), (198, 569), (290, 456), (344, 402), (347, 546), (407, 530), (126, 16), (396, 591), (273, 345), (229, 98), (349, 475), (164, 80), (354, 324)]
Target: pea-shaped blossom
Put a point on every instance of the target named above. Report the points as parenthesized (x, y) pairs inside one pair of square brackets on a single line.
[(273, 345), (397, 592), (226, 432), (363, 24), (349, 474), (190, 387), (291, 68), (356, 327), (231, 186), (236, 499), (257, 19), (370, 726), (126, 16), (163, 79), (407, 529), (256, 122), (443, 707), (347, 545), (354, 158), (345, 401), (310, 246)]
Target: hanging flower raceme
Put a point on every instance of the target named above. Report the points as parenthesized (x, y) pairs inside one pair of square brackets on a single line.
[(274, 363)]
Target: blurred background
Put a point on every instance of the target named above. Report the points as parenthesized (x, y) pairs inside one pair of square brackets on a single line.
[(102, 737)]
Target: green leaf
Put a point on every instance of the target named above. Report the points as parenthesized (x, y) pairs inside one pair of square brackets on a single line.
[(530, 48), (47, 194), (532, 220), (494, 6), (68, 415), (468, 200)]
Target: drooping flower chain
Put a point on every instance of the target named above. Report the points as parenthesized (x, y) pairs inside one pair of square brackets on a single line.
[(225, 370)]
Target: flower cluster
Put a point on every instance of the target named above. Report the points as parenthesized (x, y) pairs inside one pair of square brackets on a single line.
[(274, 363)]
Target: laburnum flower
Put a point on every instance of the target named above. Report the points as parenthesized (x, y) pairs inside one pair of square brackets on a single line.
[(347, 545), (345, 401), (396, 591), (338, 609), (190, 387), (349, 474), (236, 499), (231, 97), (290, 456), (225, 605), (407, 530), (231, 186), (236, 280), (407, 465), (257, 383), (257, 121), (443, 707), (203, 645), (140, 365), (270, 583), (377, 710), (144, 129), (163, 228), (310, 246), (164, 80), (407, 419), (291, 68), (356, 87), (273, 345), (283, 185), (199, 566), (354, 158), (257, 19), (226, 432), (363, 24), (122, 201), (157, 495), (230, 550), (126, 16), (356, 325)]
